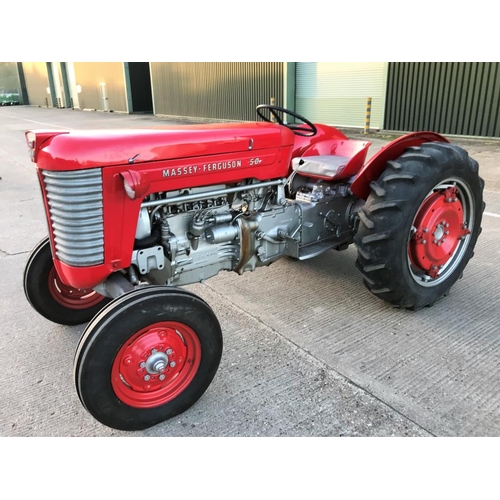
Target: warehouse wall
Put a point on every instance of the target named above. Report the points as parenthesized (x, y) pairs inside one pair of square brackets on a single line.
[(89, 75), (461, 98), (37, 81), (336, 92), (226, 91)]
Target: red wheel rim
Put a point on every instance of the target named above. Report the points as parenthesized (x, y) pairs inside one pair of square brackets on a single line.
[(72, 298), (156, 364), (439, 229)]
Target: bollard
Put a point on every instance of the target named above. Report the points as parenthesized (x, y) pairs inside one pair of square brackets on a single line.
[(368, 114)]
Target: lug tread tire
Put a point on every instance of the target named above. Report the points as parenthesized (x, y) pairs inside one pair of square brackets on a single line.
[(386, 218)]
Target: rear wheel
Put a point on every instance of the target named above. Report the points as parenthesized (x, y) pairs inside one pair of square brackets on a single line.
[(50, 297), (419, 226), (148, 356)]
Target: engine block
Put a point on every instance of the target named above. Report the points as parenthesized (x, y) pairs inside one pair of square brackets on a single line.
[(242, 231)]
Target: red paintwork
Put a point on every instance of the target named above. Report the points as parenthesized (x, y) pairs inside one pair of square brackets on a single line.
[(127, 374), (103, 148), (72, 298), (431, 246), (178, 157), (376, 165), (318, 144)]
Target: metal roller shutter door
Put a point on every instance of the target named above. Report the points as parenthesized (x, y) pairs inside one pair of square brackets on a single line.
[(336, 93)]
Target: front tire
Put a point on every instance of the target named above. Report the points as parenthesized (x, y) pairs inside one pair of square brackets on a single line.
[(147, 357), (419, 225), (50, 297)]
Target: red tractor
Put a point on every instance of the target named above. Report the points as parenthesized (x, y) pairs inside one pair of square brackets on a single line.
[(133, 215)]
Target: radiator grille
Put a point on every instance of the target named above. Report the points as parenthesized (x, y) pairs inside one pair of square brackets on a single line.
[(75, 204)]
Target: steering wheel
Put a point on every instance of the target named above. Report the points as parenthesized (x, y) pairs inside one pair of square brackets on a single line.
[(309, 131)]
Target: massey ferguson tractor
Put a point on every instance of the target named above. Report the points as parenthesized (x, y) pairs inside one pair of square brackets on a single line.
[(133, 215)]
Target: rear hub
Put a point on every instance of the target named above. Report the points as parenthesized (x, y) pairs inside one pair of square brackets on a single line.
[(439, 233)]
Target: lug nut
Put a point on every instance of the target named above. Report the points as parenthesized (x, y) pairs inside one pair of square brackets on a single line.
[(425, 230), (154, 351), (424, 242), (446, 232), (142, 365), (172, 364), (146, 377), (169, 351), (438, 243), (162, 377)]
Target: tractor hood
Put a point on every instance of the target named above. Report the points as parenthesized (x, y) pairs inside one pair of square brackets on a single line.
[(56, 150)]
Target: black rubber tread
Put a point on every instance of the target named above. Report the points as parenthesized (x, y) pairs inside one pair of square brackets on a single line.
[(386, 218), (111, 329), (35, 282)]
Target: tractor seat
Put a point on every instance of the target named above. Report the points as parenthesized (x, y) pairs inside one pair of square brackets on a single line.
[(323, 167)]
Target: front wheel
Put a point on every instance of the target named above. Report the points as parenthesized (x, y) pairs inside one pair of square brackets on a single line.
[(50, 297), (148, 356), (419, 226)]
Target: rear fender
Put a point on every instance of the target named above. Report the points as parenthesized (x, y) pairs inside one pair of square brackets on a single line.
[(376, 165)]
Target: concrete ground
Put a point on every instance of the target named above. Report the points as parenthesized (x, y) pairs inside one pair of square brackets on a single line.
[(308, 350)]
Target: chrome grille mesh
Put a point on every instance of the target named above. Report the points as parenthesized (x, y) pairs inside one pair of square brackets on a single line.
[(75, 203)]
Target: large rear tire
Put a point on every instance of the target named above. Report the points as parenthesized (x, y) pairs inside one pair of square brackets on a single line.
[(148, 356), (419, 225)]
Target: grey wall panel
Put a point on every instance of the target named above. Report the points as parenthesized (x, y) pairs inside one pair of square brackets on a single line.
[(459, 98), (226, 91)]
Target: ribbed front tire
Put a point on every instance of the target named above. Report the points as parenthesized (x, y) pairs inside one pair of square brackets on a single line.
[(50, 297)]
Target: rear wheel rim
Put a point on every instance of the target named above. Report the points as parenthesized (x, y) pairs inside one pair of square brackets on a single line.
[(441, 232), (72, 298), (156, 364)]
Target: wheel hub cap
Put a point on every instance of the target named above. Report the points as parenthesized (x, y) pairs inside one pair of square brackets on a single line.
[(439, 228), (156, 364)]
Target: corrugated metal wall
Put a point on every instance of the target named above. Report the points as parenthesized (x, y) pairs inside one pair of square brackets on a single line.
[(90, 75), (336, 93), (37, 81), (460, 98), (228, 91)]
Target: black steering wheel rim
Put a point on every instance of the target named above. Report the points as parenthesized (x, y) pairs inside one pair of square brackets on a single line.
[(309, 131)]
